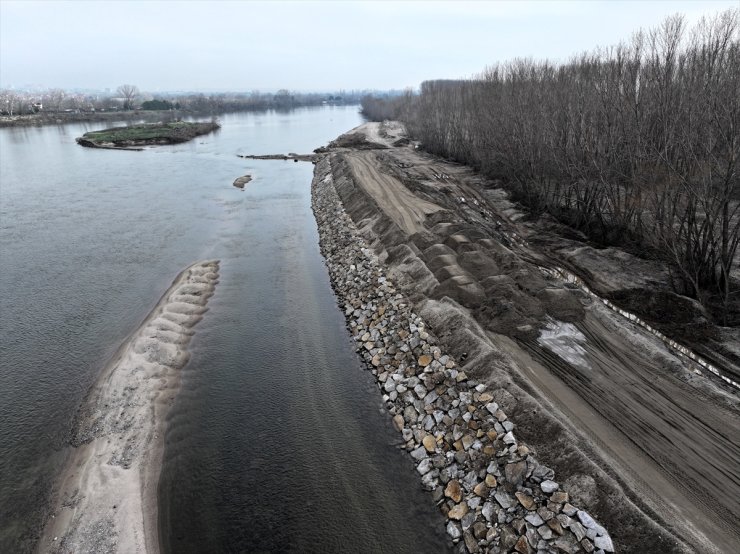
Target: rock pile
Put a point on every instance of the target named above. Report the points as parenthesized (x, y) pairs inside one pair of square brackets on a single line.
[(496, 496)]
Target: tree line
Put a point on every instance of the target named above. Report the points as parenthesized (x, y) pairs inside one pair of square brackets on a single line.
[(128, 97), (635, 144)]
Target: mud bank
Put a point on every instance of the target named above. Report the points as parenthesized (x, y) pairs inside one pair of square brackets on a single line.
[(635, 434), (106, 499)]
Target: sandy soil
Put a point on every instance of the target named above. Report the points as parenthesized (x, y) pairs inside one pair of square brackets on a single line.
[(406, 210), (610, 406), (106, 499)]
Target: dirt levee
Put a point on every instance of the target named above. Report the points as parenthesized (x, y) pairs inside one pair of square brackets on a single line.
[(405, 209), (636, 431)]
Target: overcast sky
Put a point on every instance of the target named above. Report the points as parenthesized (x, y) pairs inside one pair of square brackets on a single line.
[(231, 46)]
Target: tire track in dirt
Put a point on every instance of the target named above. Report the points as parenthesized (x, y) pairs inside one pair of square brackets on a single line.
[(405, 209)]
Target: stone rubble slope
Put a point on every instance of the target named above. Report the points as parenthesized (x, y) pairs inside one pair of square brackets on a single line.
[(496, 496)]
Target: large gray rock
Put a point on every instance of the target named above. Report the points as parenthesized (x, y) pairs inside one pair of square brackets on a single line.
[(503, 499), (604, 543), (515, 472), (548, 487)]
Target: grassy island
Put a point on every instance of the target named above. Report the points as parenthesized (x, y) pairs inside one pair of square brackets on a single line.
[(146, 134)]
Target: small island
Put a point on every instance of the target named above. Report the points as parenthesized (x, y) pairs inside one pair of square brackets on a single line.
[(146, 134)]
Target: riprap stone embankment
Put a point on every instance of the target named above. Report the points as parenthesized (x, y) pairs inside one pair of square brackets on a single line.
[(496, 495)]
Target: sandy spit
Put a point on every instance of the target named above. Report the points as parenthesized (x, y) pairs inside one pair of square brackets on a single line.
[(106, 497)]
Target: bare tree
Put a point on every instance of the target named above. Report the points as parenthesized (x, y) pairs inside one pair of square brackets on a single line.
[(54, 98), (129, 94), (636, 144), (9, 102)]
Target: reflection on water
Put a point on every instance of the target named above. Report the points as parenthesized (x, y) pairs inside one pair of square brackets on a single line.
[(276, 442)]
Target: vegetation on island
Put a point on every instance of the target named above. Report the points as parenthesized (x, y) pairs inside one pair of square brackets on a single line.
[(159, 105), (636, 145), (172, 132)]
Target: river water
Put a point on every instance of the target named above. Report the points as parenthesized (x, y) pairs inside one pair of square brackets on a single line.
[(277, 441)]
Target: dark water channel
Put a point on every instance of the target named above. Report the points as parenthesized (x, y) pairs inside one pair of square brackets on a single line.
[(277, 441)]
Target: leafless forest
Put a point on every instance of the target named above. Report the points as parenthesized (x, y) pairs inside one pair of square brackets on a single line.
[(129, 97), (636, 144)]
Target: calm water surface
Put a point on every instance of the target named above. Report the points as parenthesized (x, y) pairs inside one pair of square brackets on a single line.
[(277, 441)]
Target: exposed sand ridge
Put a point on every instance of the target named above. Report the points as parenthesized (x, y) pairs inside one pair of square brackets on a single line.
[(106, 499)]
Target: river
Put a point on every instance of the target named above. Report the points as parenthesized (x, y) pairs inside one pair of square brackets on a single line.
[(277, 441)]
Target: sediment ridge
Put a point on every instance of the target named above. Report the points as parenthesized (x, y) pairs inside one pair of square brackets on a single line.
[(106, 499)]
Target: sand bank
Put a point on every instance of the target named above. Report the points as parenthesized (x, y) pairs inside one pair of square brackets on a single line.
[(106, 498)]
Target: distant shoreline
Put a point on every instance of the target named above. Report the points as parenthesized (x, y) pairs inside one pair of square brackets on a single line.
[(43, 119)]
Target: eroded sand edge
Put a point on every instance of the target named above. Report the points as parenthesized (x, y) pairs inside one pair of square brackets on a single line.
[(106, 498)]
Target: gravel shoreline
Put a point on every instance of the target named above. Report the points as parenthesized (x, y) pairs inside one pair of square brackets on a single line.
[(495, 495)]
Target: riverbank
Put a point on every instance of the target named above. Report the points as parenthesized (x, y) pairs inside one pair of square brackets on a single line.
[(47, 118), (106, 498), (147, 134), (585, 385), (493, 491)]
